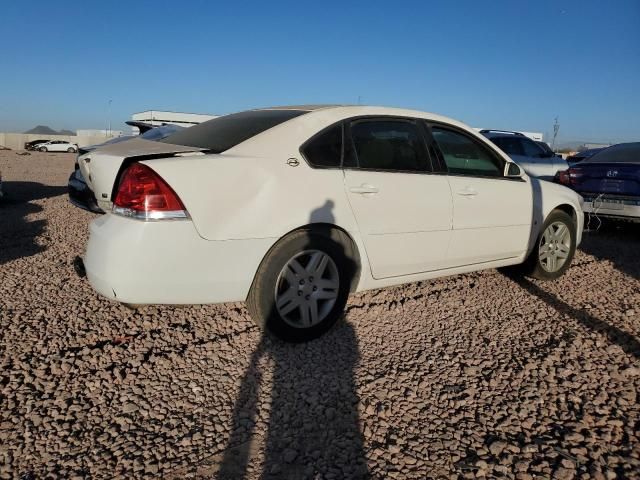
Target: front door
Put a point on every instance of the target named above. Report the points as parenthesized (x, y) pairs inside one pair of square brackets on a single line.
[(492, 214), (403, 209)]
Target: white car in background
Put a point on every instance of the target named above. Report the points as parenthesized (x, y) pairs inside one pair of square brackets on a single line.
[(292, 208), (536, 160), (57, 146)]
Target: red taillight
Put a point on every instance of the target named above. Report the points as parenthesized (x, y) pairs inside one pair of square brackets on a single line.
[(563, 177), (568, 177), (142, 193)]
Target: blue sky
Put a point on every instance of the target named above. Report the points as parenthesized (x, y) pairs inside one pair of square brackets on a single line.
[(500, 64)]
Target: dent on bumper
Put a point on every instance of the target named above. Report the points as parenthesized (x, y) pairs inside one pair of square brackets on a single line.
[(167, 262)]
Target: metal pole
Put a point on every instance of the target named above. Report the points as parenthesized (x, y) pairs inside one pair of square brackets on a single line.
[(109, 118), (556, 127)]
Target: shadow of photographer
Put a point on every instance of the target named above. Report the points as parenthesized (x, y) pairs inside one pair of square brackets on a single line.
[(312, 420)]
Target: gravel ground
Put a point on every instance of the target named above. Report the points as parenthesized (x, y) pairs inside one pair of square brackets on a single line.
[(471, 376)]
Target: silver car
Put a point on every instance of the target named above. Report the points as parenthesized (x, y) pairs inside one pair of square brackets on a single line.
[(535, 160)]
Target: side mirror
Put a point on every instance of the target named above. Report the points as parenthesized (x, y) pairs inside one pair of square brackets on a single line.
[(512, 170)]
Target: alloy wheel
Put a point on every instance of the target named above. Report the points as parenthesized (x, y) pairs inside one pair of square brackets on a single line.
[(555, 246), (307, 289)]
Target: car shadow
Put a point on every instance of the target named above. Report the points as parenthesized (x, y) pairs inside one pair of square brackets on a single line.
[(624, 340), (313, 422), (18, 235), (616, 242)]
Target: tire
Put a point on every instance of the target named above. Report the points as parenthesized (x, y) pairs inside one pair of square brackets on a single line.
[(43, 149), (540, 269), (71, 150), (284, 286)]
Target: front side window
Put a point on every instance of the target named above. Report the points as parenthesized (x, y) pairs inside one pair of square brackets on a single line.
[(464, 156), (325, 149), (389, 145), (531, 149)]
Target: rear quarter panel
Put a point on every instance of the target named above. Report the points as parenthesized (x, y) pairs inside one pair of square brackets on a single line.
[(239, 197)]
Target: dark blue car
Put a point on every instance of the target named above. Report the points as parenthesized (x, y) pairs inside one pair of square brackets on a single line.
[(609, 181)]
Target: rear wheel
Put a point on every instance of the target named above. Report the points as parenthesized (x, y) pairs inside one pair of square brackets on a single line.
[(71, 150), (554, 249), (302, 286)]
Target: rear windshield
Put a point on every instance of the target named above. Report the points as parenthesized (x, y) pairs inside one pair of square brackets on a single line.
[(621, 153), (223, 133)]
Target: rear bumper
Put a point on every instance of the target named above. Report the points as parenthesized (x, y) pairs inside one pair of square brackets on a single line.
[(81, 195), (167, 262), (610, 206)]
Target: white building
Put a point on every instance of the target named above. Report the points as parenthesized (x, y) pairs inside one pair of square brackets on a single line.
[(159, 117)]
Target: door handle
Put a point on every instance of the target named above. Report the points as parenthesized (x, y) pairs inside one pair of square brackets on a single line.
[(468, 192), (364, 188)]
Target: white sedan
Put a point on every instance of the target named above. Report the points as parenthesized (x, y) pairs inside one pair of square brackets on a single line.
[(292, 208), (57, 146)]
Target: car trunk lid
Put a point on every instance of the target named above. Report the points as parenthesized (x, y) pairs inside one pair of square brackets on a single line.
[(606, 178), (101, 167)]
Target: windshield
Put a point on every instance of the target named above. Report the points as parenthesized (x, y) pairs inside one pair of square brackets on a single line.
[(621, 153), (223, 133)]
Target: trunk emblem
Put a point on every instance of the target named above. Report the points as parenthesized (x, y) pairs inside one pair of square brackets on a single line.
[(612, 173), (293, 162)]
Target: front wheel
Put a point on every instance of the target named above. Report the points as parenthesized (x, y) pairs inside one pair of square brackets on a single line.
[(554, 249), (301, 287), (43, 149), (71, 150)]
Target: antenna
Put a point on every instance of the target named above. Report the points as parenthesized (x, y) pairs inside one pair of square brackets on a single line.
[(556, 127)]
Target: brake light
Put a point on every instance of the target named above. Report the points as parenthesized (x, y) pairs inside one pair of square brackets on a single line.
[(563, 177), (568, 177), (143, 194)]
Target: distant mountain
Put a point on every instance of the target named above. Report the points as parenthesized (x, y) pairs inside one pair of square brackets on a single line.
[(42, 130)]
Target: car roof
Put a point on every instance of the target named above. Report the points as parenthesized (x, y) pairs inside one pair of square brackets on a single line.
[(489, 133), (364, 110), (297, 130), (304, 108)]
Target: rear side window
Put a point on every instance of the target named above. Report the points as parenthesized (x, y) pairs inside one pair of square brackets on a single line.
[(223, 133), (389, 145), (325, 149), (509, 145), (464, 156)]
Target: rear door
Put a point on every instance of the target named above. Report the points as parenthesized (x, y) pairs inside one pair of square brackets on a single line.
[(403, 208), (492, 214)]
